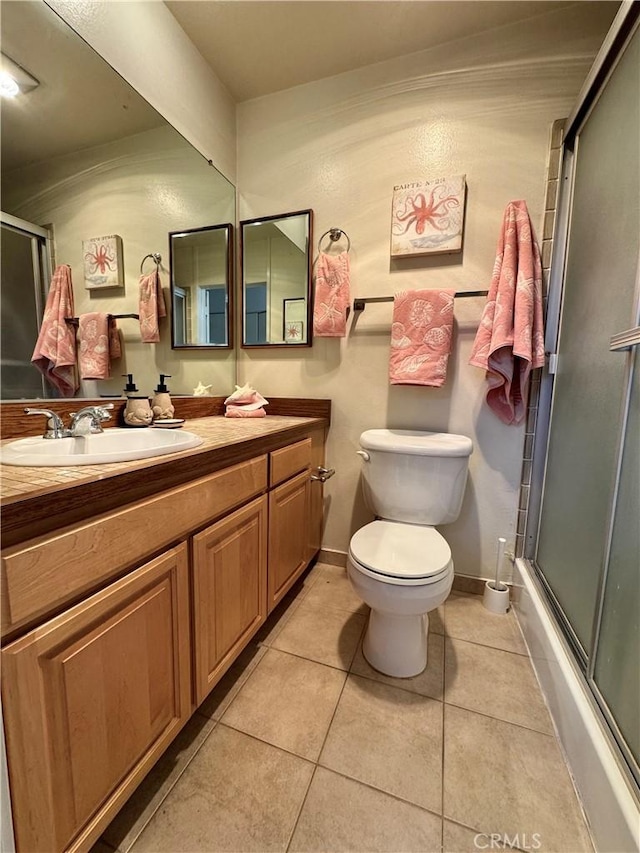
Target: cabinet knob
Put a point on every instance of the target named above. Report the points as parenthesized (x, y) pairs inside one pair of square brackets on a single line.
[(323, 474)]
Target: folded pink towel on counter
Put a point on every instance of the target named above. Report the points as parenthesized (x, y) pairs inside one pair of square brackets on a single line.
[(99, 343), (332, 296), (243, 412), (245, 395), (55, 351), (151, 307), (421, 335), (510, 339)]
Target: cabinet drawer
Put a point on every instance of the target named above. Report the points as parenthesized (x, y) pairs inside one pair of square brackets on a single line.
[(289, 461), (40, 576)]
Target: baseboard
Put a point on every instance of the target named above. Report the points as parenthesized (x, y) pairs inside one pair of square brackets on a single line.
[(332, 558)]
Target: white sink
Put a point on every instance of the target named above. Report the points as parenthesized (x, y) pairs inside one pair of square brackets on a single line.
[(113, 445)]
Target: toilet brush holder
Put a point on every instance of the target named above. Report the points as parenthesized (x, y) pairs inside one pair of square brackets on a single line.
[(496, 597)]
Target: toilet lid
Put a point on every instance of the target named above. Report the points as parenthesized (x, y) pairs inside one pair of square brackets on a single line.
[(401, 550)]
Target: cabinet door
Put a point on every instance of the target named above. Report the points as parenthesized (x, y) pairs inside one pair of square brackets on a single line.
[(289, 506), (229, 590), (91, 699)]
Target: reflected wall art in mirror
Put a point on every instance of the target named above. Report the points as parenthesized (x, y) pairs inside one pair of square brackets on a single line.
[(201, 261), (276, 280)]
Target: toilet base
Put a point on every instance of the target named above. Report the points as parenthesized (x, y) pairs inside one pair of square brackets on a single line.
[(396, 645)]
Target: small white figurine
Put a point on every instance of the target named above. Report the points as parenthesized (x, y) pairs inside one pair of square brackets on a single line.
[(202, 390)]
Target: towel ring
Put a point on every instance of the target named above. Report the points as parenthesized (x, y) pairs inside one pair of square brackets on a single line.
[(335, 234), (157, 259)]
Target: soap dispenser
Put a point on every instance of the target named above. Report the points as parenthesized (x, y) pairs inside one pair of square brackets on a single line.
[(162, 406), (137, 412)]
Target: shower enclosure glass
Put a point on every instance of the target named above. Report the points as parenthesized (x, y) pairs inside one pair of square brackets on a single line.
[(585, 544)]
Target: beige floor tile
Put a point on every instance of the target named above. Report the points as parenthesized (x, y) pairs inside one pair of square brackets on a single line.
[(288, 702), (321, 634), (279, 617), (460, 839), (156, 786), (342, 815), (238, 794), (500, 684), (333, 589), (466, 618), (501, 778), (229, 685), (388, 738), (428, 683)]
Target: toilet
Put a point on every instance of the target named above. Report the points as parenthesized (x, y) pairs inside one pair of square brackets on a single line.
[(399, 564)]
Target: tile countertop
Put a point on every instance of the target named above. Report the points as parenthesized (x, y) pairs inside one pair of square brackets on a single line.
[(40, 499)]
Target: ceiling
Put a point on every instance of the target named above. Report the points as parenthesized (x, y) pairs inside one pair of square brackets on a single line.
[(80, 102), (261, 46)]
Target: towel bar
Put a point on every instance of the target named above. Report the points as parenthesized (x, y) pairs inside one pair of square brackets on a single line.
[(359, 304), (73, 321)]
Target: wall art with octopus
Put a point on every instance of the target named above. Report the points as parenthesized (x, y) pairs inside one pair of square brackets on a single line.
[(427, 217), (103, 263)]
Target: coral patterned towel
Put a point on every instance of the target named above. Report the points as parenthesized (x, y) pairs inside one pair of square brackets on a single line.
[(510, 339), (99, 343), (55, 351), (421, 337), (332, 296), (151, 307)]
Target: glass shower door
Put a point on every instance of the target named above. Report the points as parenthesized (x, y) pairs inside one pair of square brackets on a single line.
[(590, 388)]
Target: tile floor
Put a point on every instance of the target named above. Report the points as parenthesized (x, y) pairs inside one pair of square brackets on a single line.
[(304, 747)]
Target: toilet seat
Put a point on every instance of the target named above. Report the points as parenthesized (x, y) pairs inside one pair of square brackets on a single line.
[(398, 553)]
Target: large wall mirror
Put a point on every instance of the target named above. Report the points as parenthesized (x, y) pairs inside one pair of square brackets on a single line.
[(201, 287), (85, 156), (276, 280)]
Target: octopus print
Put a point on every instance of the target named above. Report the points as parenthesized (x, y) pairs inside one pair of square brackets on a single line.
[(427, 216)]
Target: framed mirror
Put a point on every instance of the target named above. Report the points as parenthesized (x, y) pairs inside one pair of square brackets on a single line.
[(201, 263), (276, 280)]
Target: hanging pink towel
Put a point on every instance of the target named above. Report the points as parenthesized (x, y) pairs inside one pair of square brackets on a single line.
[(421, 336), (510, 339), (99, 343), (55, 351), (332, 295), (115, 346), (151, 307)]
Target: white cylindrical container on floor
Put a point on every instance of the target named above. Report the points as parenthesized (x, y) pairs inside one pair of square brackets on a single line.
[(496, 597)]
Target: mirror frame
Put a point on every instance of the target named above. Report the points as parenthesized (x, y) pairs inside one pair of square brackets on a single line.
[(309, 293), (230, 288)]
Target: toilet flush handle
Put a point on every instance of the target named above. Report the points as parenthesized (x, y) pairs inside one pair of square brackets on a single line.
[(364, 455)]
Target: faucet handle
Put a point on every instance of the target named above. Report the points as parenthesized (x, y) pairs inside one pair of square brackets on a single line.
[(55, 426)]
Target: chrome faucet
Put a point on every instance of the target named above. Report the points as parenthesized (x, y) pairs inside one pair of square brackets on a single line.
[(89, 420), (55, 427)]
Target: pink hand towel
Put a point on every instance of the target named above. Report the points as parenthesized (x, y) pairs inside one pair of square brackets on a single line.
[(99, 344), (151, 307), (332, 295), (421, 336), (55, 351), (510, 339)]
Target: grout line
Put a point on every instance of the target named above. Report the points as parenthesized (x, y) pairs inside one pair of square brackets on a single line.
[(268, 743), (444, 688), (302, 805), (500, 720)]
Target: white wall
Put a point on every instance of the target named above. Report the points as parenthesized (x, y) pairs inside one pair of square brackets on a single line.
[(483, 107), (140, 188), (147, 46)]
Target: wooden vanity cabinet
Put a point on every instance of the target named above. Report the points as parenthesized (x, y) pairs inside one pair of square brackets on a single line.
[(91, 700), (229, 590), (94, 694)]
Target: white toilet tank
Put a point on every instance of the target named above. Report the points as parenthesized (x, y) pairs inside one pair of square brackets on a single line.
[(413, 476)]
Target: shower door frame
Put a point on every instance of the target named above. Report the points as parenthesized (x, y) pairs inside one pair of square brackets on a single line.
[(42, 261), (624, 27)]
